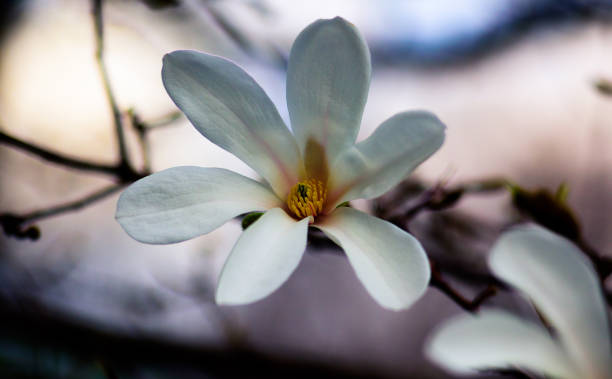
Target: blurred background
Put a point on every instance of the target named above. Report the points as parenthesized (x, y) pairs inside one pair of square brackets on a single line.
[(520, 84)]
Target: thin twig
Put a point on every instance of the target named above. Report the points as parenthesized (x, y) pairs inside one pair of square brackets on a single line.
[(438, 281), (321, 243), (141, 132), (50, 156), (73, 205), (19, 225), (391, 207), (439, 198), (117, 119), (143, 128)]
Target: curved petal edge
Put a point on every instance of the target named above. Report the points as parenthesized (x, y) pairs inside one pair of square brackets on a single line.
[(394, 150), (184, 202), (497, 340), (328, 78), (563, 285), (390, 263), (263, 258), (230, 109)]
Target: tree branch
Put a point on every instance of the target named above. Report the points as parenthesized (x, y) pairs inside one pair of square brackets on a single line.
[(320, 242), (143, 128), (539, 206), (50, 156), (19, 225), (438, 281), (97, 12), (436, 198)]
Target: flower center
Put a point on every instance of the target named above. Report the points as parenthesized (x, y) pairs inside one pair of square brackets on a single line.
[(307, 198)]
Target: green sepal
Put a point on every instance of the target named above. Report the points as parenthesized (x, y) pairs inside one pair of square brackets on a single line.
[(344, 204), (562, 193), (250, 218)]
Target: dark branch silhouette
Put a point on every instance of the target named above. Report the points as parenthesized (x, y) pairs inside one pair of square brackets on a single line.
[(114, 351), (49, 156), (20, 225), (97, 12), (42, 326), (321, 243), (437, 281), (539, 206)]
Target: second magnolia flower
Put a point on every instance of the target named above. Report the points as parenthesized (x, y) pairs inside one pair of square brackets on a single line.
[(306, 174)]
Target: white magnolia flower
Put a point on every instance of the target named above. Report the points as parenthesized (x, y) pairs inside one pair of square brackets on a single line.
[(562, 284), (307, 174)]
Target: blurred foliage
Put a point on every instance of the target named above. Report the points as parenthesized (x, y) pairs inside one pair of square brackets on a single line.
[(604, 87), (547, 209), (20, 358)]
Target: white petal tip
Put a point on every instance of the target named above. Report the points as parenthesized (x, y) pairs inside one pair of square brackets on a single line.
[(389, 262), (262, 259)]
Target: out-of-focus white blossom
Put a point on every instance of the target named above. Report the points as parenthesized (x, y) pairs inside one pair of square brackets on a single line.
[(565, 289)]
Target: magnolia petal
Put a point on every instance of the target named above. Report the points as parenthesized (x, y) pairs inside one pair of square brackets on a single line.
[(184, 202), (230, 109), (375, 165), (563, 285), (327, 85), (263, 258), (390, 263), (497, 340)]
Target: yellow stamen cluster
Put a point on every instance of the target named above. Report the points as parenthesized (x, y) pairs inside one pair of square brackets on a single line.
[(307, 198)]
